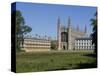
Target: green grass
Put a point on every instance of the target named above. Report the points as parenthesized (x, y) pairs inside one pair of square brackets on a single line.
[(48, 61)]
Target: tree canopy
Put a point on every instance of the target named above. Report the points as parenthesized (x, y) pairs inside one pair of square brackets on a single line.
[(94, 31), (21, 28)]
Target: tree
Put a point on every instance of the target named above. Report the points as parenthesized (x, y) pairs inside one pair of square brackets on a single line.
[(21, 28), (53, 45), (94, 33), (24, 30)]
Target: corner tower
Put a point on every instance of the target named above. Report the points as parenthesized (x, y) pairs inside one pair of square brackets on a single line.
[(58, 34), (85, 29), (69, 34)]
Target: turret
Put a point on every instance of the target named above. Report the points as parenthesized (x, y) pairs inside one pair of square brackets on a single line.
[(69, 22), (77, 28), (69, 34), (85, 29), (58, 34)]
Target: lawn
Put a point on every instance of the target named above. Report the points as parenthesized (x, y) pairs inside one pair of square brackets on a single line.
[(49, 61)]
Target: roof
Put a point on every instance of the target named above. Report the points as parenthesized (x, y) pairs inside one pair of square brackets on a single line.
[(33, 38), (85, 38)]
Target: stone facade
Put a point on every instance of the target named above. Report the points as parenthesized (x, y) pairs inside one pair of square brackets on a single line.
[(66, 35), (36, 44), (84, 44), (67, 39)]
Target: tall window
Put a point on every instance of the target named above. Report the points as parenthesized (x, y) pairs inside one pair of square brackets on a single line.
[(64, 37)]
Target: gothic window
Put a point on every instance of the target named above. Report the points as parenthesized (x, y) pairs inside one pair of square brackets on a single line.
[(64, 37)]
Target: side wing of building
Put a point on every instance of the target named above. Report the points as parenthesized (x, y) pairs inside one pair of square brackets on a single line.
[(35, 44)]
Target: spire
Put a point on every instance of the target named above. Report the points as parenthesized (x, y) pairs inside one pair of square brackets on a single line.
[(58, 24), (69, 34), (77, 28), (85, 29), (69, 22), (58, 21), (58, 34)]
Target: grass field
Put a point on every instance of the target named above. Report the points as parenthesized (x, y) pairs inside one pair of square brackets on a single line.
[(49, 61)]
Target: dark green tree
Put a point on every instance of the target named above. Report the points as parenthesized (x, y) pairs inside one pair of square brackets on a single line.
[(24, 30), (94, 32), (53, 45), (19, 23), (21, 28)]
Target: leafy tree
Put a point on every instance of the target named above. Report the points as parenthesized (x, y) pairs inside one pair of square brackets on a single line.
[(53, 45), (24, 30), (94, 33), (21, 28)]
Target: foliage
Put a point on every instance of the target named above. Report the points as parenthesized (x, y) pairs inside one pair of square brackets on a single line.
[(94, 34), (21, 28), (53, 45)]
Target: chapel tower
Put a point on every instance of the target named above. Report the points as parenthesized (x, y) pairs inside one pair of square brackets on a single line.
[(58, 34), (69, 34)]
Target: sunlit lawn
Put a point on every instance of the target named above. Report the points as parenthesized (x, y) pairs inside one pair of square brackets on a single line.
[(48, 61)]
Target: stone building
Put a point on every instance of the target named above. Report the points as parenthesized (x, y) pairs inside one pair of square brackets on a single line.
[(84, 44), (36, 44), (66, 36)]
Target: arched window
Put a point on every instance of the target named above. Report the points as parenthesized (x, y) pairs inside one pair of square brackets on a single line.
[(64, 37)]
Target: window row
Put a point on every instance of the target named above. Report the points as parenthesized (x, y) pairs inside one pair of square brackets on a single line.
[(85, 48), (85, 41)]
